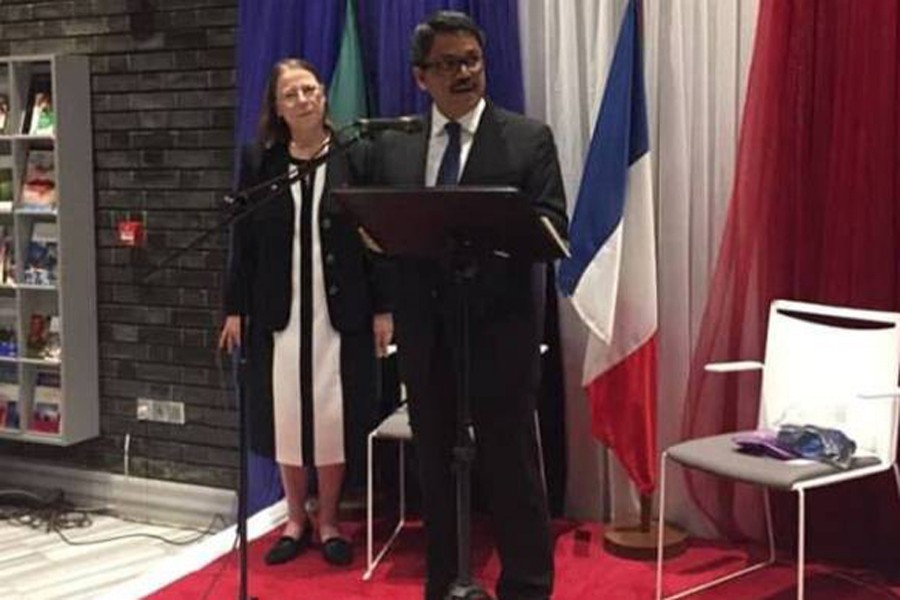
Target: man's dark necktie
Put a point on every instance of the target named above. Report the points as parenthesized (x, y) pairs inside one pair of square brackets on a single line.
[(448, 173)]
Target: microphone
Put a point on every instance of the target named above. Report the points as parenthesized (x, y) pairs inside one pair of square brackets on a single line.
[(406, 124)]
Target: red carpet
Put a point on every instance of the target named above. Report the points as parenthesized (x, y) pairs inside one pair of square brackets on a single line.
[(583, 571)]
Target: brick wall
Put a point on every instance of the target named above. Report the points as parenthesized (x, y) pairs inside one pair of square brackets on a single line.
[(163, 93)]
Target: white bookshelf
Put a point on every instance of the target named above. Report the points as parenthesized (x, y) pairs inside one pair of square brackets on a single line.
[(71, 297)]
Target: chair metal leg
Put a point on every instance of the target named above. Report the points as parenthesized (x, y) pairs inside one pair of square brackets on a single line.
[(540, 445), (372, 563), (770, 531), (402, 463), (369, 508), (719, 580), (661, 528), (801, 540), (897, 478)]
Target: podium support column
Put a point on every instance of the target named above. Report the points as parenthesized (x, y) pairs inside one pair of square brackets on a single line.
[(465, 268)]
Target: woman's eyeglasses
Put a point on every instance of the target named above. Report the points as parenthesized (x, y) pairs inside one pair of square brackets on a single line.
[(292, 95)]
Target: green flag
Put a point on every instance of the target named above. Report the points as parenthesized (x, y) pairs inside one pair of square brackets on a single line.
[(347, 93)]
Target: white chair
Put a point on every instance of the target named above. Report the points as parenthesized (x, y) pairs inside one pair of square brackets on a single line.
[(393, 427), (396, 427), (827, 366)]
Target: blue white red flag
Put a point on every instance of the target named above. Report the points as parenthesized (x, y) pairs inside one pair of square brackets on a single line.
[(611, 275)]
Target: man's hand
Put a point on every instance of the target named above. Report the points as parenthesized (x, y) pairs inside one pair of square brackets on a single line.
[(383, 328), (230, 338)]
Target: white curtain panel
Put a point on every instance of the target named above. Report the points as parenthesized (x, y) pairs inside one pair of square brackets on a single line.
[(697, 54), (567, 48)]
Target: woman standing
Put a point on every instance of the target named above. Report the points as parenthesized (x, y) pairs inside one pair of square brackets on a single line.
[(317, 317)]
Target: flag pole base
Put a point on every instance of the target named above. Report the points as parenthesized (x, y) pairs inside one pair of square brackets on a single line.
[(634, 542)]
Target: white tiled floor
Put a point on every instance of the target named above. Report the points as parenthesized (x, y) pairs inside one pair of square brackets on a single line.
[(36, 565)]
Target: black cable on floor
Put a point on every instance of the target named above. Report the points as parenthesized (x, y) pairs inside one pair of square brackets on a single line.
[(55, 514)]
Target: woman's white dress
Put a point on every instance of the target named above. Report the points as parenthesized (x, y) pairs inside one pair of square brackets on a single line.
[(309, 431)]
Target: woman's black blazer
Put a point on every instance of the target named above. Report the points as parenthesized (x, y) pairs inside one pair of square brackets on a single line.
[(259, 263)]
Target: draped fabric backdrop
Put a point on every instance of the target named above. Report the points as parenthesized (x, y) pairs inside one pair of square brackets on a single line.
[(697, 52), (698, 55), (815, 216), (311, 29)]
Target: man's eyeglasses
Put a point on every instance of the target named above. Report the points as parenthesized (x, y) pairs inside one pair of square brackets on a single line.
[(446, 65), (292, 96)]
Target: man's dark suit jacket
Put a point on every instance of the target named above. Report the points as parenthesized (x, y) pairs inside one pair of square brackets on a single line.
[(508, 150), (258, 281)]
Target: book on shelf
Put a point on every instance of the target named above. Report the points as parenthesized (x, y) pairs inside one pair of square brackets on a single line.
[(45, 418), (6, 189), (46, 412), (39, 182), (9, 347), (39, 117), (9, 415), (7, 256), (43, 337), (4, 112), (8, 343), (42, 256), (9, 407), (53, 344), (38, 344)]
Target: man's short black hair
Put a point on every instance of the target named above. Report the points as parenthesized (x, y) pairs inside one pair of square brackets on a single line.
[(443, 21)]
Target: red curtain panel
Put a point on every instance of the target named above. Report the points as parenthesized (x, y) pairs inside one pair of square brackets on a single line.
[(814, 215)]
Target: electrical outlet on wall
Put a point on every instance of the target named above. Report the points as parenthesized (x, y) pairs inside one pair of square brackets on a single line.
[(144, 409), (160, 411), (175, 412)]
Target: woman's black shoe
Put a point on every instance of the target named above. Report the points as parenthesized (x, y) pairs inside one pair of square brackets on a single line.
[(288, 548), (337, 551)]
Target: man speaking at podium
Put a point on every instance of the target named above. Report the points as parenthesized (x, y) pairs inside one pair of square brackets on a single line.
[(469, 141)]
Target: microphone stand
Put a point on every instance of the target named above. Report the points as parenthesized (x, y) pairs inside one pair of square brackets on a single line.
[(243, 206)]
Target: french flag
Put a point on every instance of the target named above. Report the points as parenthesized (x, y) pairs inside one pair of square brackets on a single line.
[(611, 275)]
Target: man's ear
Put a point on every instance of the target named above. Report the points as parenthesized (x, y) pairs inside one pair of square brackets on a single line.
[(419, 76)]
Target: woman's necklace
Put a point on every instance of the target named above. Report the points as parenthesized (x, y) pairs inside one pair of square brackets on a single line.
[(303, 153)]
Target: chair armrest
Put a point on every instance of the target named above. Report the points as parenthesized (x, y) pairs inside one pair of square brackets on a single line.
[(740, 365), (875, 395)]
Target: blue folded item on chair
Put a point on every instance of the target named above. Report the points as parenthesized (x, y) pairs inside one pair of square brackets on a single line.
[(761, 442), (831, 446), (812, 442)]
